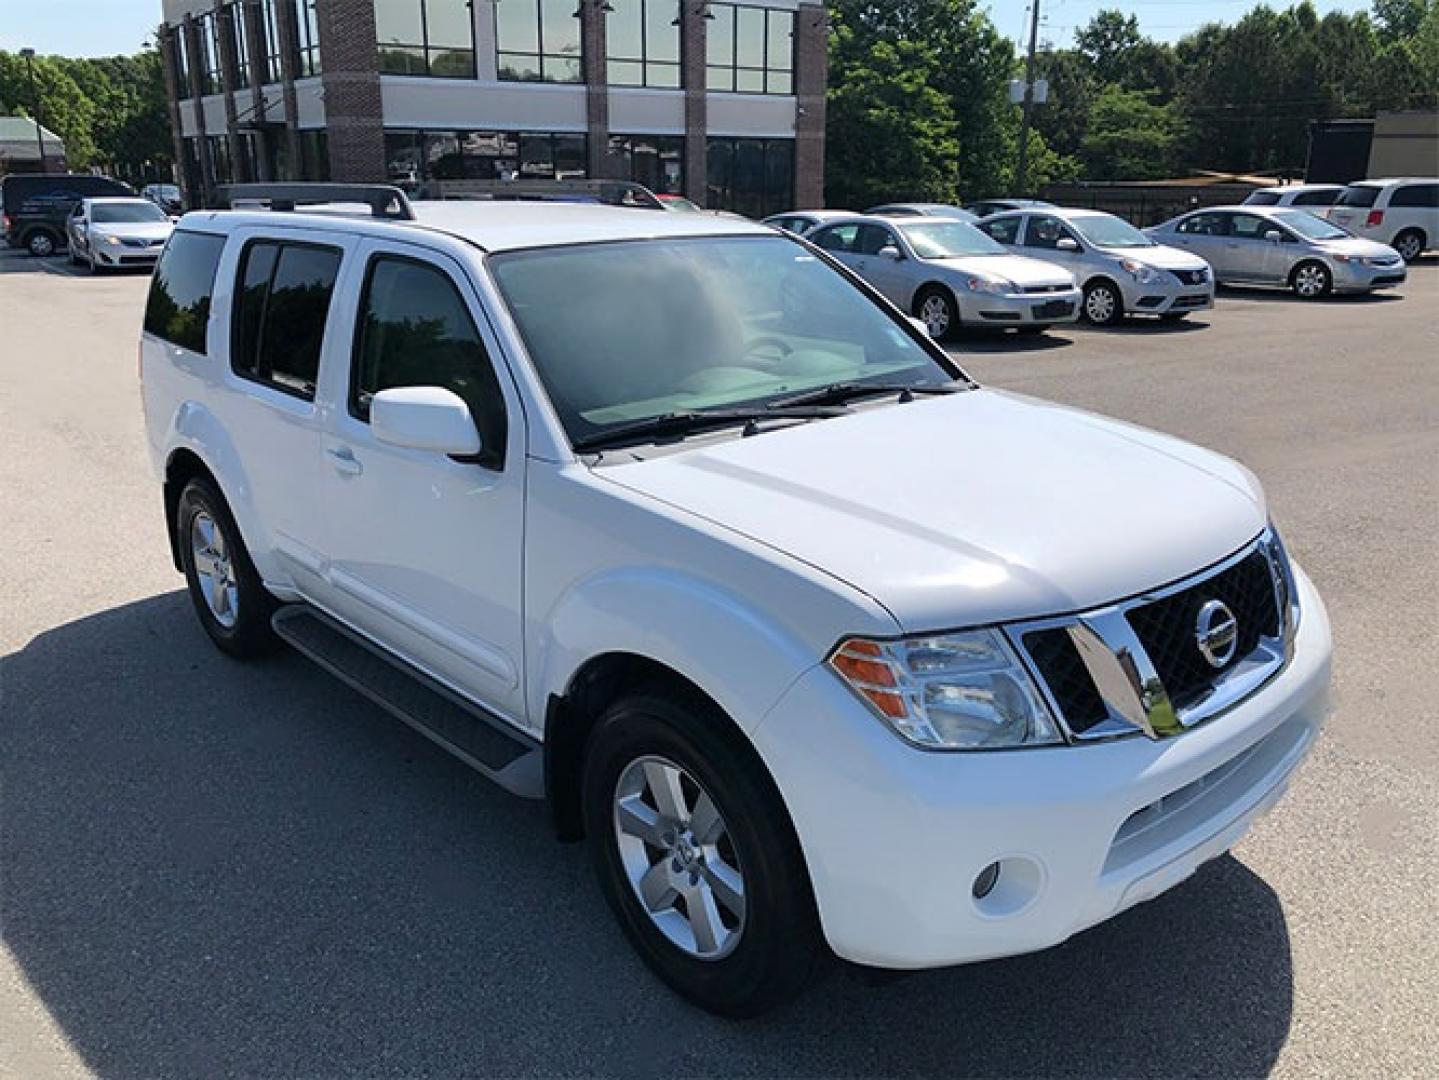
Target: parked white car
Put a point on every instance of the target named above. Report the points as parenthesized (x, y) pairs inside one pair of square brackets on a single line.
[(950, 275), (818, 643), (1401, 213), (1311, 197), (1285, 247), (1122, 271), (109, 233)]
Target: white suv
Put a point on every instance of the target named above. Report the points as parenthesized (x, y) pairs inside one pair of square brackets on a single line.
[(1401, 213), (672, 521)]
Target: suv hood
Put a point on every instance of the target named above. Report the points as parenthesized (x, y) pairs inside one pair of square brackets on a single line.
[(975, 508), (1019, 269)]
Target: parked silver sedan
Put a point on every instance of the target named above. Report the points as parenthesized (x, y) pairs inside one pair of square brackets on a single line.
[(804, 222), (949, 274), (105, 233), (1122, 271), (1283, 246)]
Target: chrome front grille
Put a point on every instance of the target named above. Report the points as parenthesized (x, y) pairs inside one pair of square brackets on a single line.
[(1140, 665)]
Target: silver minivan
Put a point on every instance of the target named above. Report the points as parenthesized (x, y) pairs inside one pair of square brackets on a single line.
[(1122, 271), (1283, 246)]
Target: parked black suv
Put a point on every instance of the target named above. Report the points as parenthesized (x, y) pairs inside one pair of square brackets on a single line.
[(36, 205)]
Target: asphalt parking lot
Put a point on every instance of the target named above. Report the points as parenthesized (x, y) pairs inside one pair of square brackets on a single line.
[(209, 868)]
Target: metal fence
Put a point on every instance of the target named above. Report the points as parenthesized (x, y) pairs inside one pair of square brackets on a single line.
[(1146, 204)]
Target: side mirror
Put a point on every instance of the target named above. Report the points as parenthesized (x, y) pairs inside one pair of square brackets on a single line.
[(1066, 243), (889, 251), (1274, 236), (425, 418)]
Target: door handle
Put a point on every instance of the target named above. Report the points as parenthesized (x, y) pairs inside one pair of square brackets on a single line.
[(344, 461)]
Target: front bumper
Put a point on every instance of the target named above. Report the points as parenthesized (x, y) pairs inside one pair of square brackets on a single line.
[(1357, 277), (895, 836), (1166, 296), (1019, 309), (106, 255)]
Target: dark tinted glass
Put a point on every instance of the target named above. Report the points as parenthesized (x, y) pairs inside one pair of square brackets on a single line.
[(1005, 230), (257, 267), (1263, 198), (1360, 195), (179, 306), (295, 317), (416, 331), (1415, 195), (1315, 198)]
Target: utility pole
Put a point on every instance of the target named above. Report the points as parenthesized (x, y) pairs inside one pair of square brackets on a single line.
[(1019, 173), (29, 55)]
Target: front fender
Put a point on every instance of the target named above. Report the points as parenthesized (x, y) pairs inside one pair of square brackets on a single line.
[(742, 659)]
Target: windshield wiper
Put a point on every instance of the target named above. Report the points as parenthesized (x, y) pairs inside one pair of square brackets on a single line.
[(840, 392), (688, 421)]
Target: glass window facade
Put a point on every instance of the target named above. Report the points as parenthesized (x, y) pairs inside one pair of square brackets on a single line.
[(270, 24), (417, 156), (426, 37), (314, 155), (240, 41), (184, 85), (538, 41), (307, 39), (209, 53), (643, 43), (750, 49), (656, 161), (754, 177)]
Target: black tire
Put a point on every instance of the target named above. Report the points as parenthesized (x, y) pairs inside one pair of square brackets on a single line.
[(1096, 309), (249, 633), (944, 300), (1410, 244), (779, 940), (42, 243), (1311, 280)]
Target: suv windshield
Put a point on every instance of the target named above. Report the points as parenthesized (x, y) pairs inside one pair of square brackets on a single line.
[(1309, 226), (948, 240), (1362, 195), (126, 213), (1107, 231), (630, 331)]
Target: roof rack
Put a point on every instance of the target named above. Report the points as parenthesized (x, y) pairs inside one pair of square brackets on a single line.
[(384, 200), (609, 192)]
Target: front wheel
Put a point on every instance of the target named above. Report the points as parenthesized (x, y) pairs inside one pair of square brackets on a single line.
[(1103, 304), (233, 605), (696, 856), (935, 307), (1311, 280)]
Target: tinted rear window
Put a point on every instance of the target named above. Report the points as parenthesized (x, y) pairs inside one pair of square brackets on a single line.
[(179, 306), (1415, 195), (282, 306), (1316, 198), (1263, 198), (1362, 196)]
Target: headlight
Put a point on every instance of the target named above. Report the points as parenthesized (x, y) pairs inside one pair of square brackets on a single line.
[(113, 241), (994, 286), (1142, 272), (1287, 592), (963, 691)]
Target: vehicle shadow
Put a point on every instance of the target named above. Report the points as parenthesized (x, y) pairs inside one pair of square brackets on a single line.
[(14, 261), (1284, 296), (217, 868), (1148, 324), (999, 341)]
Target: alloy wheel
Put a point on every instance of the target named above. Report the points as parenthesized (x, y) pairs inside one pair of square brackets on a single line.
[(41, 245), (1409, 247), (934, 312), (1099, 305), (1309, 281), (679, 857), (213, 570)]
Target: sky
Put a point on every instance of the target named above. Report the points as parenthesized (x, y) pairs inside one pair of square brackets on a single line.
[(107, 27)]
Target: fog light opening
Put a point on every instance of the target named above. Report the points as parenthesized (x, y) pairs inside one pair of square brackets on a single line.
[(985, 881), (1007, 886)]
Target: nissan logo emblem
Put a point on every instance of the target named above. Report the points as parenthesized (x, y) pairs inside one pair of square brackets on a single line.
[(1216, 633)]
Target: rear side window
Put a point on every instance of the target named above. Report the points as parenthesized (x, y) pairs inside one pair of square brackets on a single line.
[(282, 303), (838, 238), (1206, 224), (179, 306), (1315, 198), (1425, 195), (1361, 195), (1005, 230), (1263, 198), (416, 331)]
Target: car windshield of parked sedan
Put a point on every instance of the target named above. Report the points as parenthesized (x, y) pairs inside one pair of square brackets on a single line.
[(126, 213), (627, 332), (949, 240), (1108, 231), (1309, 226)]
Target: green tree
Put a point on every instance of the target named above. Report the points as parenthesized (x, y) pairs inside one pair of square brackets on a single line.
[(1130, 138)]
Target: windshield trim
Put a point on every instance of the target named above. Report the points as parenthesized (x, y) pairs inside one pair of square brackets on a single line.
[(491, 259)]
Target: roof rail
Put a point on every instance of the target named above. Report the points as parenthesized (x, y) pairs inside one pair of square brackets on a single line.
[(384, 200), (609, 192)]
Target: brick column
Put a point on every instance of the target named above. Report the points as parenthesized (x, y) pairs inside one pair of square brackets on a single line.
[(289, 47), (350, 65), (811, 31), (694, 41), (593, 46), (224, 26), (190, 36), (170, 40)]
